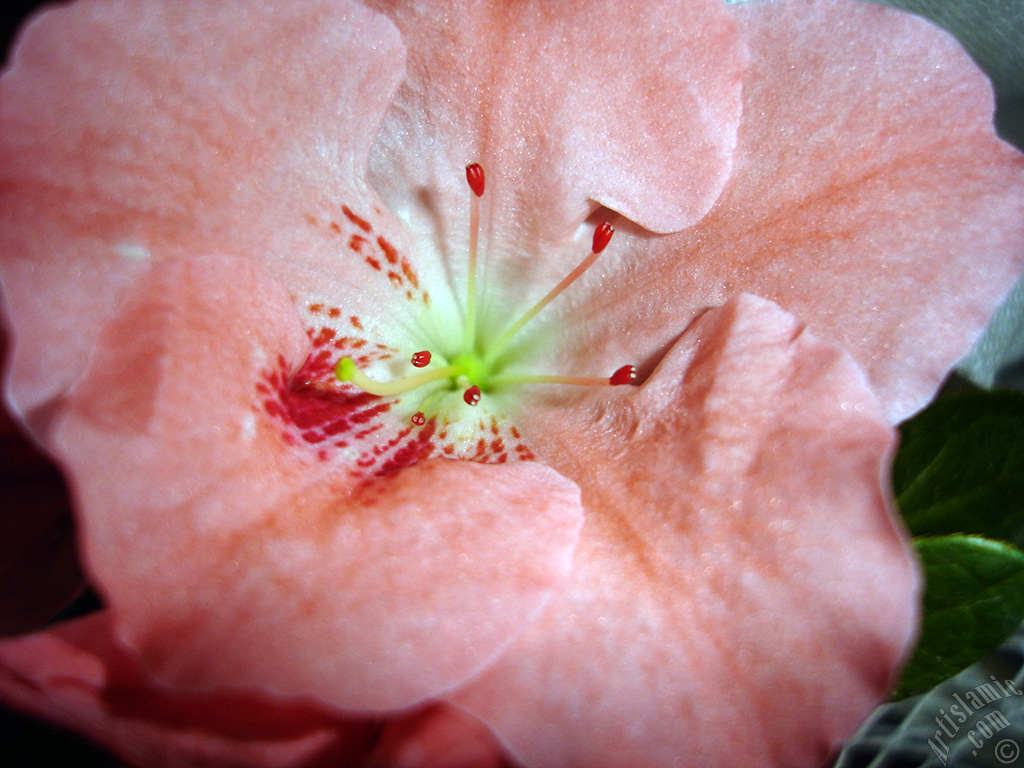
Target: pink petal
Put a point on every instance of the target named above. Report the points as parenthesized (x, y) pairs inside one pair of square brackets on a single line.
[(740, 595), (236, 554), (139, 130), (869, 197), (440, 736), (78, 676), (566, 105)]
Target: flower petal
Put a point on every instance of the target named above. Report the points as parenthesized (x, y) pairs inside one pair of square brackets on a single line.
[(234, 554), (632, 106), (870, 197), (740, 594), (134, 131), (440, 736), (78, 676)]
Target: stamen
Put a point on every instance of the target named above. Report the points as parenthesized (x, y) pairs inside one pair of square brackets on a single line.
[(624, 375), (475, 178), (602, 236), (347, 370), (471, 368)]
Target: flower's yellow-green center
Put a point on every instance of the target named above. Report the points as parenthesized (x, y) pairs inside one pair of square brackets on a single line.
[(477, 372)]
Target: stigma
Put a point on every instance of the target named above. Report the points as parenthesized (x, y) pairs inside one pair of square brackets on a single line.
[(476, 368)]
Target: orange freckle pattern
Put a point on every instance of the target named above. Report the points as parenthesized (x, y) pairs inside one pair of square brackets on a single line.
[(362, 223), (388, 250), (376, 251)]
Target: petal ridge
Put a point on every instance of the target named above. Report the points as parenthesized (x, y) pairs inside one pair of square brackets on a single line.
[(869, 196), (739, 544)]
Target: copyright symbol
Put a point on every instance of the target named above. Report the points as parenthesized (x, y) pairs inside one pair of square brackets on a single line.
[(1007, 751)]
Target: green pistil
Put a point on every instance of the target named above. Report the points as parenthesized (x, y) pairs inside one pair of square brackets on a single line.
[(467, 366), (347, 370), (474, 368)]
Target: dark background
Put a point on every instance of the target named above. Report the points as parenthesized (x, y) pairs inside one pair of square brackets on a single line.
[(24, 741)]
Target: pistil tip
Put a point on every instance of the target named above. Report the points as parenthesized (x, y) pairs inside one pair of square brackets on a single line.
[(602, 236), (475, 177), (472, 395), (346, 369), (419, 419), (624, 375)]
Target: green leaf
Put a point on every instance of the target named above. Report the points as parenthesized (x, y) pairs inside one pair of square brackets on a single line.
[(960, 467), (974, 598)]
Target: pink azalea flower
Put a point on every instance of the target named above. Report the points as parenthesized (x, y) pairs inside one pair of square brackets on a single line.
[(207, 206)]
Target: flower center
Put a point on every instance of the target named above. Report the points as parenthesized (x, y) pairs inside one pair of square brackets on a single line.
[(477, 372)]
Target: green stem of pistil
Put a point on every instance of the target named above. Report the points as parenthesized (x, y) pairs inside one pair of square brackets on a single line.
[(347, 370)]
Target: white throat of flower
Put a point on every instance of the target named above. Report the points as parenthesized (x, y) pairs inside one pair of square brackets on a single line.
[(474, 368)]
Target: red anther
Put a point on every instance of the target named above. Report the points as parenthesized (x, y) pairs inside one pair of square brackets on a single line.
[(475, 177), (602, 236), (421, 359), (472, 395), (419, 419), (625, 375)]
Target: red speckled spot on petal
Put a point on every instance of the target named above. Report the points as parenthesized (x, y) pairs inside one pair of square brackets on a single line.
[(371, 435)]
